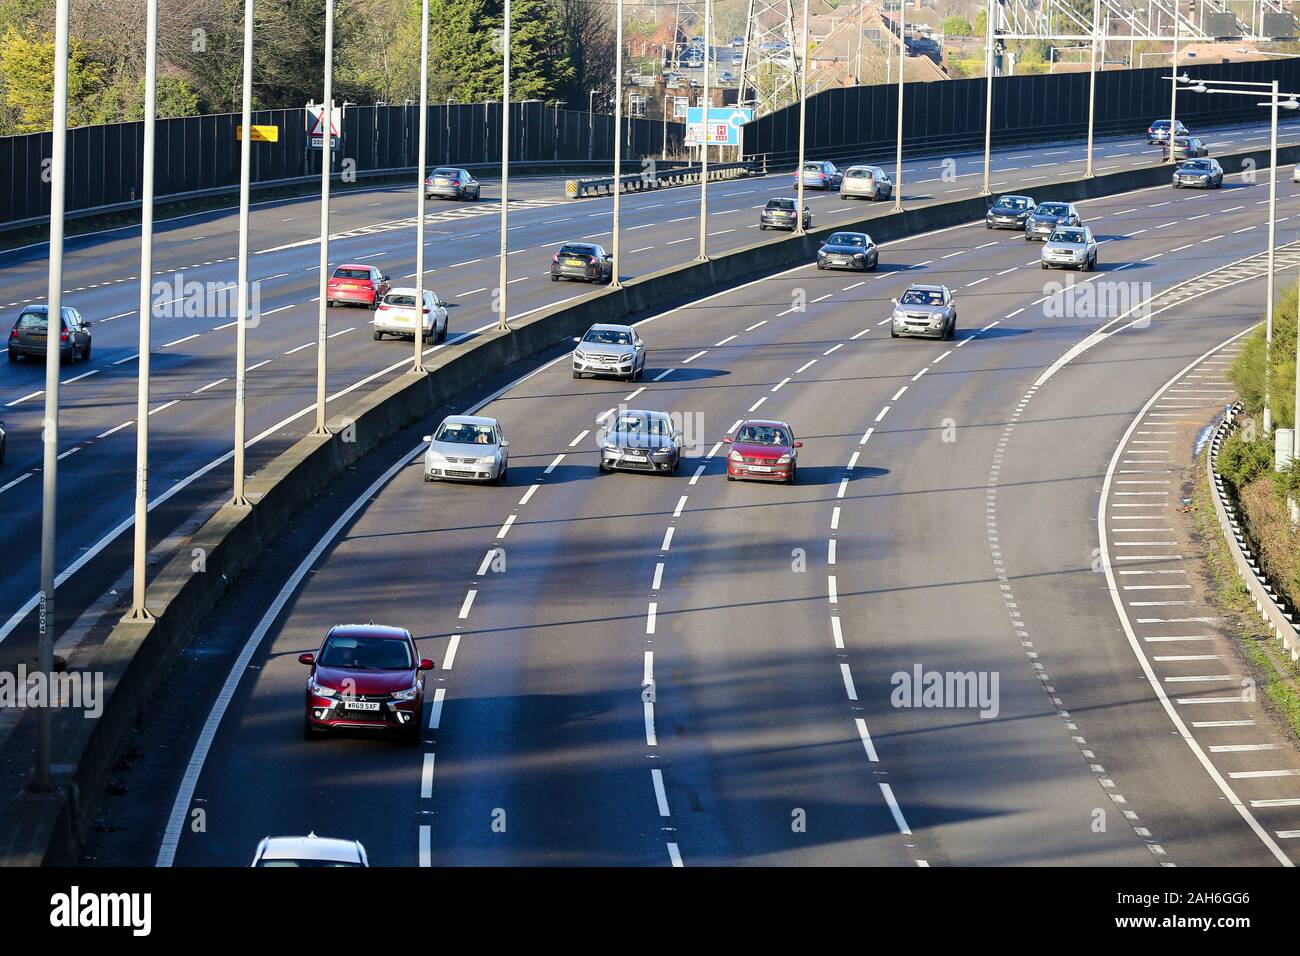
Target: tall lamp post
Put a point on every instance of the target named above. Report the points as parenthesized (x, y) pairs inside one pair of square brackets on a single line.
[(704, 148), (326, 161), (1275, 100), (802, 67), (988, 98), (618, 136), (902, 59), (502, 324), (417, 362), (1092, 81), (241, 276)]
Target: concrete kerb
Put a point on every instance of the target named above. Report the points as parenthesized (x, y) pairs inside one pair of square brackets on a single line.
[(135, 658)]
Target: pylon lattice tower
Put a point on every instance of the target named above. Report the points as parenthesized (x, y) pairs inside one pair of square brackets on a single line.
[(769, 77)]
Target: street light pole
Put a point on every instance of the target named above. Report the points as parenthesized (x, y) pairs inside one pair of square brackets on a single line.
[(704, 149), (241, 326), (50, 432), (1092, 83), (417, 362), (618, 136), (139, 612), (802, 66), (1173, 93), (326, 162), (664, 154), (502, 324), (902, 59), (988, 99), (591, 126), (857, 69), (1272, 227)]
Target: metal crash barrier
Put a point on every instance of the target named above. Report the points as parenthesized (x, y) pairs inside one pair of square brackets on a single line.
[(654, 177)]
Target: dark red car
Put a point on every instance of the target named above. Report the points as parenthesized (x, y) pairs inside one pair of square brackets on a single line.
[(353, 284), (763, 450), (365, 677)]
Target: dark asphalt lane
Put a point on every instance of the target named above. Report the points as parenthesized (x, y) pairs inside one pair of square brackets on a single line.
[(756, 709)]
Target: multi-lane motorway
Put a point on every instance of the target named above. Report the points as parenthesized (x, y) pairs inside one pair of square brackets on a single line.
[(680, 670)]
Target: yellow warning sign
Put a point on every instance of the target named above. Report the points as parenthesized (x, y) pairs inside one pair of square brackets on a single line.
[(261, 134)]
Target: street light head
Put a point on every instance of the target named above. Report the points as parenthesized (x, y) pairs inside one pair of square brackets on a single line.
[(1290, 105), (1200, 88)]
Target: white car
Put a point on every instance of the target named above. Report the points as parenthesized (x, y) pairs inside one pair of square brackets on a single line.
[(467, 448), (310, 850), (1295, 174), (396, 316), (1070, 247)]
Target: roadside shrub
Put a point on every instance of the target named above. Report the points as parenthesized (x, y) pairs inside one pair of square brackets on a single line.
[(1242, 461)]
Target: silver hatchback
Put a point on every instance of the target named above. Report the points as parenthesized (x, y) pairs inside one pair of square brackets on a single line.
[(467, 448), (924, 310), (866, 182), (1070, 247)]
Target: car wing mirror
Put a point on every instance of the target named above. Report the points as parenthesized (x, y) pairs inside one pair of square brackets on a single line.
[(306, 658), (426, 664), (798, 444), (726, 439), (428, 438), (895, 301), (505, 443), (385, 278)]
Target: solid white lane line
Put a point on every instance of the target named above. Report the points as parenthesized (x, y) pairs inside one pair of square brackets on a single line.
[(528, 494), (505, 528), (116, 428), (659, 576), (651, 613), (675, 855), (551, 467), (895, 809), (426, 777), (449, 658), (661, 798), (581, 435), (435, 709), (209, 385), (668, 539), (848, 682)]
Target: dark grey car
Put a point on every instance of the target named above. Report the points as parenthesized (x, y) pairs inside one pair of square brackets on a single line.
[(447, 182), (28, 336), (1009, 212), (1042, 222), (848, 250), (640, 441), (779, 214), (584, 261)]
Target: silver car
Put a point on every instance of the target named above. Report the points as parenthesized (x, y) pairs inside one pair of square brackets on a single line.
[(1070, 247), (925, 310), (447, 182), (866, 182), (610, 350), (640, 441), (1042, 222), (310, 850), (467, 448)]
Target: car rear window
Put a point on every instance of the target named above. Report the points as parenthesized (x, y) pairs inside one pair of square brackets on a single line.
[(859, 172), (780, 204), (399, 298), (343, 273), (572, 250), (33, 320), (445, 171)]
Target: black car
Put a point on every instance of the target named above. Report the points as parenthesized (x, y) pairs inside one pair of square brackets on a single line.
[(448, 182), (780, 214), (1042, 222), (1009, 212), (848, 250), (640, 441), (1158, 132), (584, 261), (28, 336), (1205, 173)]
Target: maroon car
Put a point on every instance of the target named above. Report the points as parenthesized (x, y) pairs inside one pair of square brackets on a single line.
[(763, 450), (365, 677), (353, 284)]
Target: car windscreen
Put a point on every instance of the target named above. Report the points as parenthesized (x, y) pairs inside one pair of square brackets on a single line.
[(305, 863), (1072, 236), (786, 204), (1199, 166), (466, 433), (571, 250), (762, 435), (846, 239), (345, 273), (1017, 203), (922, 297), (608, 337), (368, 653), (1052, 209), (640, 425)]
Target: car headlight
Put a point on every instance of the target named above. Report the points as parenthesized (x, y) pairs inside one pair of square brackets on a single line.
[(580, 355), (320, 690), (435, 456), (487, 459), (734, 456), (783, 460), (625, 357), (859, 255), (662, 452), (408, 694)]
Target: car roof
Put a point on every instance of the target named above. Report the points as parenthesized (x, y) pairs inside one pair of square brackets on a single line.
[(353, 265), (406, 290), (608, 327), (371, 630), (926, 287), (642, 411), (470, 420), (311, 847), (765, 422), (1005, 196)]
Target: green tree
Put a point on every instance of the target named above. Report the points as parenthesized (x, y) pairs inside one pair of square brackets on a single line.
[(957, 26), (27, 67)]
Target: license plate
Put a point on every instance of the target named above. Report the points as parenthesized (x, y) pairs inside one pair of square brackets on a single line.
[(361, 704), (838, 260), (443, 182), (763, 468), (635, 458), (574, 262)]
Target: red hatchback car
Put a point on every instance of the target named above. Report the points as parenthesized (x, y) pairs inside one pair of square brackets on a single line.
[(353, 284), (763, 450), (365, 677)]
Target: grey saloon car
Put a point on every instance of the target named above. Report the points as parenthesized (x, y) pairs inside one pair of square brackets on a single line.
[(638, 440), (924, 310), (1047, 216), (467, 448), (780, 214), (1201, 173), (848, 250), (584, 261), (1070, 247), (610, 350), (447, 182), (28, 336)]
